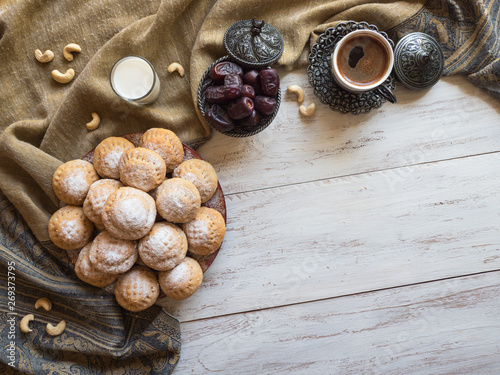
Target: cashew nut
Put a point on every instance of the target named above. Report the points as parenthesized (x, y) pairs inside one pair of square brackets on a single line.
[(307, 111), (44, 57), (43, 302), (57, 330), (63, 77), (176, 67), (297, 90), (94, 124), (24, 324), (67, 51)]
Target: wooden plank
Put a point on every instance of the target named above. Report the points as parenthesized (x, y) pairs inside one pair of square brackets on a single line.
[(352, 234), (453, 119), (445, 327)]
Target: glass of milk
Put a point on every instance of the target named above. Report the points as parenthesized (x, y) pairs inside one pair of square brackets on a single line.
[(133, 78)]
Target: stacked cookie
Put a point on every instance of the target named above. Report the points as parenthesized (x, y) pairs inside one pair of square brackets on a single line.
[(146, 204)]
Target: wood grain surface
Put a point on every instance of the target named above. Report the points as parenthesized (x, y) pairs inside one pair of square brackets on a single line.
[(356, 244), (453, 119), (352, 234), (445, 327)]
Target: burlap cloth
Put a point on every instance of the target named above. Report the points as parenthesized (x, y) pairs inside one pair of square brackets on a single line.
[(42, 124)]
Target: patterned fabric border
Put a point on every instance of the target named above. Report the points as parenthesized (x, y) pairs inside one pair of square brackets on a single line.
[(467, 31), (100, 337)]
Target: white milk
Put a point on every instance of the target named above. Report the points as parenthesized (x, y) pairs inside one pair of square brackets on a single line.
[(133, 78)]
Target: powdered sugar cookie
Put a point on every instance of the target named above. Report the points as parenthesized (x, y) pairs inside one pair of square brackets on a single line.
[(107, 156), (72, 181), (87, 272), (182, 281), (142, 168), (96, 198), (201, 174), (205, 232), (164, 247), (112, 255), (165, 143), (153, 195), (69, 228), (129, 213), (137, 289), (177, 200)]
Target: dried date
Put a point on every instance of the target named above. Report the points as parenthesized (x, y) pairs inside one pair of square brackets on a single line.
[(240, 108), (215, 95), (222, 69), (265, 105), (232, 86), (252, 78), (248, 91), (219, 119), (269, 81), (250, 121)]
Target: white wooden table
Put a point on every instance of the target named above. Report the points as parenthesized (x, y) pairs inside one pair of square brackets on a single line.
[(356, 244)]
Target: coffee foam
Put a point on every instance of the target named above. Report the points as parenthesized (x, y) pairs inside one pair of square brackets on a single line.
[(363, 60)]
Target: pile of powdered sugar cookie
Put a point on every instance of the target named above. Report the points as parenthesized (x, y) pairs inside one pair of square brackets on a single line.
[(146, 222)]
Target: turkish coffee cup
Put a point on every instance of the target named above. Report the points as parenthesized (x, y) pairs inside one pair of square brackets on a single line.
[(362, 61)]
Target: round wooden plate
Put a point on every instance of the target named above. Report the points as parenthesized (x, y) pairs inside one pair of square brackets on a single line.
[(217, 202)]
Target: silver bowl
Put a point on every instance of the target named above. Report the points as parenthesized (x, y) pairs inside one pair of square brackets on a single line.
[(203, 106)]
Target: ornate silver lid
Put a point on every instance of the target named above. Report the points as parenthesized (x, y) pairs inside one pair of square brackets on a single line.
[(418, 61), (253, 43)]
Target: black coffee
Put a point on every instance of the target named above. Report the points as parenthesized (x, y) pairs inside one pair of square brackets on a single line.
[(363, 60)]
